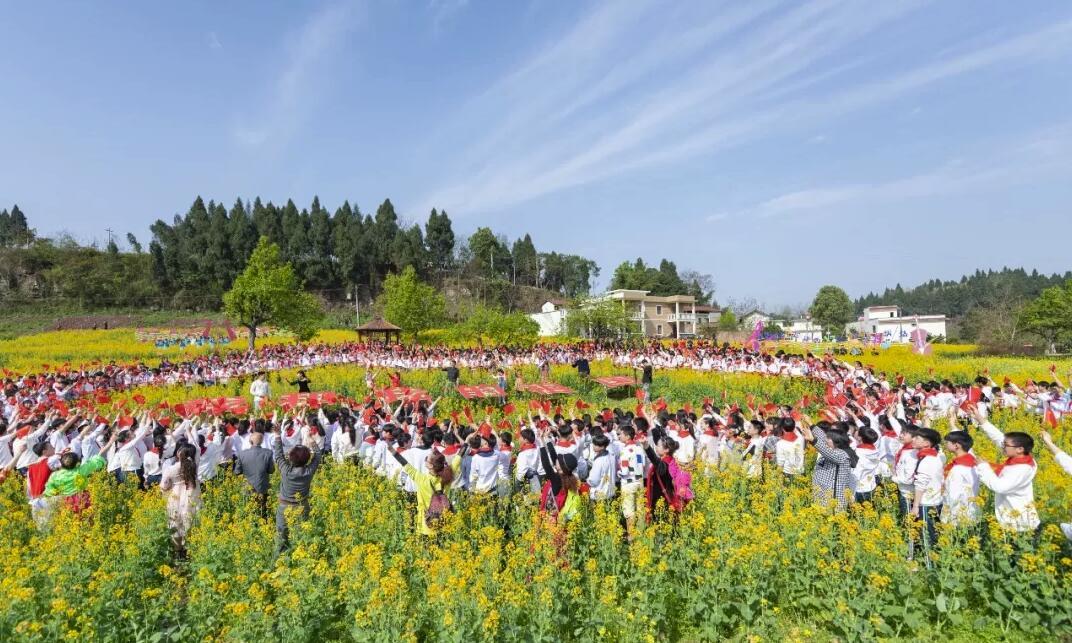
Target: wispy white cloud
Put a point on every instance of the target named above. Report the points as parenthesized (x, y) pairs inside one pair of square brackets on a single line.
[(1044, 155), (291, 94), (213, 40), (634, 86), (443, 11)]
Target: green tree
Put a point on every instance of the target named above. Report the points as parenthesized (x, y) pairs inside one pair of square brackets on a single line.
[(376, 244), (269, 292), (832, 309), (667, 281), (490, 256), (526, 263), (601, 320), (497, 326), (727, 320), (439, 239), (132, 241), (411, 304), (1050, 315)]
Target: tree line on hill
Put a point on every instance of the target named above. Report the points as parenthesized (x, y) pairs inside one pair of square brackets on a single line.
[(1004, 310), (956, 298), (192, 260)]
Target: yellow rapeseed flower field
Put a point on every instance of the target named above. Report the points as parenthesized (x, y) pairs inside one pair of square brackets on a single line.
[(750, 559)]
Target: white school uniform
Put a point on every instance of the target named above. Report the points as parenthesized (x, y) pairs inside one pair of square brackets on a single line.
[(866, 469), (960, 493), (1013, 487), (602, 476)]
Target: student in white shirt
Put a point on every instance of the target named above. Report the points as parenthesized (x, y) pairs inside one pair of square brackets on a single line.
[(632, 463), (686, 444), (709, 442), (260, 390), (211, 453), (484, 467), (417, 456), (602, 472), (904, 471), (789, 449), (960, 494), (1013, 481), (346, 443), (927, 484), (527, 467), (867, 464)]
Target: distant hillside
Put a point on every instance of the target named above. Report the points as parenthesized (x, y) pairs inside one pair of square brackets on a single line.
[(956, 298)]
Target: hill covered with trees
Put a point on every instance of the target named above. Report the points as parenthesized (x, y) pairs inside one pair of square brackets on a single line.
[(193, 259), (983, 289)]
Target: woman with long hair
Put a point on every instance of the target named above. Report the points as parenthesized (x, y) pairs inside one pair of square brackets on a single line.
[(180, 485), (432, 486), (832, 478)]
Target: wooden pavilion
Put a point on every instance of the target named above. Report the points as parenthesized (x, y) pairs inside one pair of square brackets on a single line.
[(379, 330)]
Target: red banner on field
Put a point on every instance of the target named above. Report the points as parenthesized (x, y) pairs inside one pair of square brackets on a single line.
[(548, 388), (615, 381), (396, 393), (312, 400), (477, 391)]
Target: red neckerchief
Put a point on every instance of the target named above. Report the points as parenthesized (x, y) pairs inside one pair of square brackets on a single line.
[(527, 447), (864, 445), (897, 458), (711, 432), (966, 460), (1020, 459), (889, 433), (370, 440), (290, 431), (790, 436), (565, 443), (155, 450), (506, 448), (683, 434), (929, 451)]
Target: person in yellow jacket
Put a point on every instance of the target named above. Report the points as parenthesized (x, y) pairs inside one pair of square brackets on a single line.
[(432, 503)]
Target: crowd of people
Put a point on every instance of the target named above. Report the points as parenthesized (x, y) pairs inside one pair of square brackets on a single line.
[(873, 432)]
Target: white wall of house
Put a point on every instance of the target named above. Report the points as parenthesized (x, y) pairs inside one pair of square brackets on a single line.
[(888, 322), (551, 319)]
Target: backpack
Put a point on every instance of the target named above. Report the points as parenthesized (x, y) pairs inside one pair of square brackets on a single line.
[(682, 485), (438, 507)]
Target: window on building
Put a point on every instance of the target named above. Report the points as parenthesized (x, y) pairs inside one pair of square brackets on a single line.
[(659, 330), (891, 315), (874, 329), (658, 310)]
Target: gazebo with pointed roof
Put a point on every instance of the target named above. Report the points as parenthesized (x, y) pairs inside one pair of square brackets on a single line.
[(379, 330)]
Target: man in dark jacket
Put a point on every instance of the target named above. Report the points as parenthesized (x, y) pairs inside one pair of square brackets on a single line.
[(255, 463)]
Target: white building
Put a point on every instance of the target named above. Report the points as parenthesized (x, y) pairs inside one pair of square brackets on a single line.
[(804, 330), (887, 323), (749, 319), (551, 318)]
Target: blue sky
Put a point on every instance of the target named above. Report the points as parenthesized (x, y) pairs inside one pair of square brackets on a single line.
[(778, 146)]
